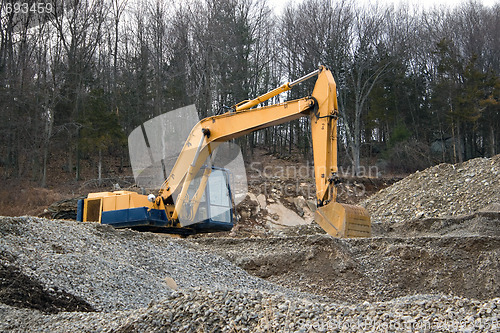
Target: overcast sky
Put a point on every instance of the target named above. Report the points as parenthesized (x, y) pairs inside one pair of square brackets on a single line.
[(278, 5)]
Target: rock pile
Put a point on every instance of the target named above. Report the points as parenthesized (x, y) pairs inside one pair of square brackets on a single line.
[(114, 269), (202, 310), (442, 190), (205, 311), (108, 280)]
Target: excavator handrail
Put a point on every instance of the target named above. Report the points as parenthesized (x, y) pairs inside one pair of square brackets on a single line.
[(244, 105)]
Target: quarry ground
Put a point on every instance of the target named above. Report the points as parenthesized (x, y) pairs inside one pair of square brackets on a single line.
[(431, 266)]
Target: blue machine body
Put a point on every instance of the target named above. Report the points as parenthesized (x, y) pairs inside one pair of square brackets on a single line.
[(155, 220)]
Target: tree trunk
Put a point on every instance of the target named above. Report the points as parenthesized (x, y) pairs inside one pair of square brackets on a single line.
[(48, 133), (459, 144), (70, 159), (492, 141), (77, 173), (44, 171), (357, 139), (252, 143), (99, 168)]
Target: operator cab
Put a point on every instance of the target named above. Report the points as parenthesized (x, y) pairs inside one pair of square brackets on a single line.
[(216, 209)]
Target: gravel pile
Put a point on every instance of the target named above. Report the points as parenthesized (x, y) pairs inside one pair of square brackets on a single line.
[(203, 310), (118, 279), (442, 190), (114, 269)]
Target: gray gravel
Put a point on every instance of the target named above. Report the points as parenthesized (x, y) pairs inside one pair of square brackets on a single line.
[(203, 310), (122, 274), (115, 269), (442, 190)]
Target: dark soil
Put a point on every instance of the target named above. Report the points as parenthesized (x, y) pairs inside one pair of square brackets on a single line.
[(372, 269), (22, 291)]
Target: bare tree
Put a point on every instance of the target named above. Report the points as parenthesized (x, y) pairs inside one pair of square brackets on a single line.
[(366, 66), (79, 26)]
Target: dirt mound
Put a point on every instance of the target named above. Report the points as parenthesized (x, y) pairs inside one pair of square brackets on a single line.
[(442, 190), (477, 224), (377, 269)]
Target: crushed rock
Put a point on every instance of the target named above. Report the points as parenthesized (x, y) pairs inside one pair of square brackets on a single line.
[(395, 284), (114, 269), (202, 310), (442, 190), (259, 312)]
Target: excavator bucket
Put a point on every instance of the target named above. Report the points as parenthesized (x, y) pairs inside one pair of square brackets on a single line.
[(342, 220)]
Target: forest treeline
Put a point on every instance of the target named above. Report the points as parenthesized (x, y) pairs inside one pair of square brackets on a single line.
[(415, 87)]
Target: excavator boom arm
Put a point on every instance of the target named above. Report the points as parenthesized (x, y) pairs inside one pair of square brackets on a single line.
[(209, 132)]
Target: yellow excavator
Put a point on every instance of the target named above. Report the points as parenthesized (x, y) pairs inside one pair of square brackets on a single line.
[(210, 208)]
